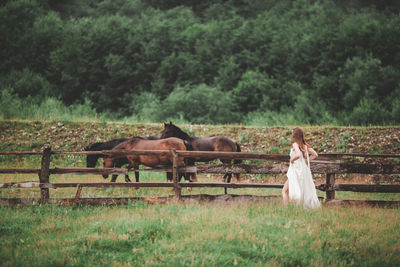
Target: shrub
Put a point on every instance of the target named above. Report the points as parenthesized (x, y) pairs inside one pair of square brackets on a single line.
[(50, 108), (199, 104), (27, 83), (270, 118), (145, 107), (368, 111)]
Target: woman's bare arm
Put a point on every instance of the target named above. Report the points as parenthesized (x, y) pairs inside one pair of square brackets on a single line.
[(313, 153), (297, 154)]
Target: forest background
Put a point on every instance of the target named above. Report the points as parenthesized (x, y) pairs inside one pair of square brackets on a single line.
[(271, 62)]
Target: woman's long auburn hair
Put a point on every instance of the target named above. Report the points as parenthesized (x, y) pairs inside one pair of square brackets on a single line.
[(298, 137)]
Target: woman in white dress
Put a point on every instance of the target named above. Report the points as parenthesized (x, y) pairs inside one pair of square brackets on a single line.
[(300, 187)]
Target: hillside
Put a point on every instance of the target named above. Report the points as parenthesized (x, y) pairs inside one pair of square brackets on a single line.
[(67, 136)]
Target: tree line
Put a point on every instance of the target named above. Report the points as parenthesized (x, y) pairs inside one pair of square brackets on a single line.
[(219, 61)]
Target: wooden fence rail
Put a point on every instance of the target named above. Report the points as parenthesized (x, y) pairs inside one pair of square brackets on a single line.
[(329, 164), (322, 187)]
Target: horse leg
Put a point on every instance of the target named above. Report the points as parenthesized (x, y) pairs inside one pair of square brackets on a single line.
[(228, 177), (135, 165), (114, 178), (169, 176), (194, 176), (186, 176), (237, 176), (118, 163)]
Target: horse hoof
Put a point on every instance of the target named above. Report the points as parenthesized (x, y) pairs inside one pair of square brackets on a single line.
[(189, 189)]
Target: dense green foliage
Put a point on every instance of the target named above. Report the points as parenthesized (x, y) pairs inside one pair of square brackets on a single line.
[(220, 61)]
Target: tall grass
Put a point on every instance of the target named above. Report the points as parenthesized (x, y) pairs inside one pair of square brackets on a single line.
[(49, 108), (244, 234)]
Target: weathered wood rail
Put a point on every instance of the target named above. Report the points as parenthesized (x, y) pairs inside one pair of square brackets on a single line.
[(328, 164)]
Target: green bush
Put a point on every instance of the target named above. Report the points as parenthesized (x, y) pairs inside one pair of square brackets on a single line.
[(49, 108), (146, 107), (10, 105), (367, 112), (27, 83), (256, 90), (310, 110), (270, 118), (198, 104)]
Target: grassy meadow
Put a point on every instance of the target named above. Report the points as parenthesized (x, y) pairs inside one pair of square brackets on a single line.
[(198, 234), (256, 233)]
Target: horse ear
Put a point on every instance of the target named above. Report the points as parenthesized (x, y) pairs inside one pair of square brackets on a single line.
[(170, 122)]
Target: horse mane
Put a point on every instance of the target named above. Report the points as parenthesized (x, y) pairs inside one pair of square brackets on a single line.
[(178, 131), (105, 145), (135, 139), (152, 137)]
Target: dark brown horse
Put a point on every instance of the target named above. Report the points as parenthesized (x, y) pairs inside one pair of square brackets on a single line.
[(215, 143), (139, 143)]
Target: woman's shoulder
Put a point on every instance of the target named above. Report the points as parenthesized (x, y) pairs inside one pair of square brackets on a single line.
[(295, 145)]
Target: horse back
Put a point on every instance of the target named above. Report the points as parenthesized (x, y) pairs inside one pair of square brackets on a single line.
[(162, 144), (215, 143)]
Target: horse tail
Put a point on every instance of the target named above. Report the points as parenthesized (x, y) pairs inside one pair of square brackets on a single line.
[(237, 161), (189, 147)]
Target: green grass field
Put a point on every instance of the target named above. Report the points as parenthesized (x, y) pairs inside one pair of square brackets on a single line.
[(206, 234)]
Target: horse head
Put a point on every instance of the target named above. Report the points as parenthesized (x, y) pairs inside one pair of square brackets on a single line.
[(108, 162), (171, 130), (91, 160)]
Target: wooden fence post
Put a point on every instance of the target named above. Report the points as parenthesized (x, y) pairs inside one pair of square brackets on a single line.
[(330, 182), (44, 174), (177, 187)]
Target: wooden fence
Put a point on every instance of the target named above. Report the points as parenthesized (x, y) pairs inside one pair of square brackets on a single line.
[(327, 164)]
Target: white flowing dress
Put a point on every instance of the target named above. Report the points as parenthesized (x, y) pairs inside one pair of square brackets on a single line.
[(301, 186)]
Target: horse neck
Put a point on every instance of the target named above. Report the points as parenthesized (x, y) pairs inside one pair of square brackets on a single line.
[(184, 136)]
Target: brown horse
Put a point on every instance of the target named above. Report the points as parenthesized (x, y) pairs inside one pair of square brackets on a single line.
[(215, 143), (139, 143), (91, 160)]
